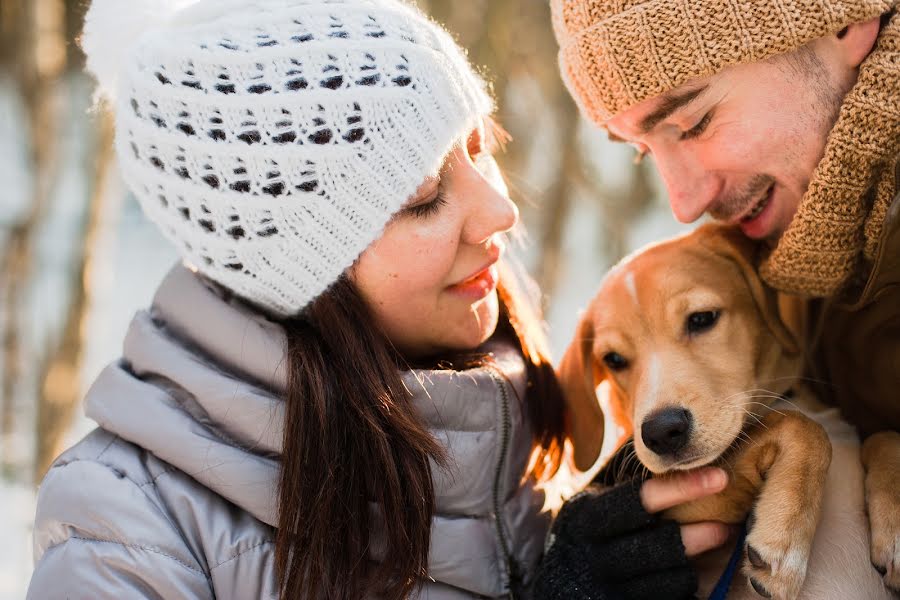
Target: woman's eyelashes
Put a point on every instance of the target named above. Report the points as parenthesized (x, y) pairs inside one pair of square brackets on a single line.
[(426, 209)]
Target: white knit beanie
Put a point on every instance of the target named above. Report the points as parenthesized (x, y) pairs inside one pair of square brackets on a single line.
[(272, 140)]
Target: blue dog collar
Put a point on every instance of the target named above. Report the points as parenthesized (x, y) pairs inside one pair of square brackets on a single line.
[(724, 584)]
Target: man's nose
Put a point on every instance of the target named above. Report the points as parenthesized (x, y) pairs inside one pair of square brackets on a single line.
[(691, 186)]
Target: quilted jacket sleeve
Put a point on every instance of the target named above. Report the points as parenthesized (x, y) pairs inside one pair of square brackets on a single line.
[(101, 532)]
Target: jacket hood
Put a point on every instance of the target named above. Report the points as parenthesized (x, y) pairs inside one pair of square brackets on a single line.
[(199, 386), (203, 378)]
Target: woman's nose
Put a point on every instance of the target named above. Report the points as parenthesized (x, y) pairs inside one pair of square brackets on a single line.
[(491, 211), (691, 187)]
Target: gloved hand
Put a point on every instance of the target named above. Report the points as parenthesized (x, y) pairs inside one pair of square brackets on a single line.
[(607, 544), (604, 545)]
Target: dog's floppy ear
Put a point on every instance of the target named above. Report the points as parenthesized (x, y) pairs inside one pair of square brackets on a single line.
[(579, 376), (731, 243)]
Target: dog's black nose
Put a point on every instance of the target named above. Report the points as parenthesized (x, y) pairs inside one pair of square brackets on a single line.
[(667, 431)]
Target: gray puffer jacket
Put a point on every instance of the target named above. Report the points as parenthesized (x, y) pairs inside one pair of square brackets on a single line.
[(174, 495)]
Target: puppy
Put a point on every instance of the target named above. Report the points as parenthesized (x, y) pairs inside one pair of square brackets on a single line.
[(699, 365)]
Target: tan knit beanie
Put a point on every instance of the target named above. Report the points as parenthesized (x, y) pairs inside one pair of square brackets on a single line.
[(617, 53)]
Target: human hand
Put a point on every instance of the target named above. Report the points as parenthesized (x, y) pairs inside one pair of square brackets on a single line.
[(658, 495), (609, 543)]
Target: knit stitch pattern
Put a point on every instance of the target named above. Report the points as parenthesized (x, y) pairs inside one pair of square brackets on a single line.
[(615, 54), (273, 141), (836, 232)]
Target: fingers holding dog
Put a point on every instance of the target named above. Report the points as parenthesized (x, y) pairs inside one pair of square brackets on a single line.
[(666, 492), (702, 537)]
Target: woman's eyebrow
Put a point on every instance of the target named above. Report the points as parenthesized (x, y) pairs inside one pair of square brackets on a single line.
[(668, 105)]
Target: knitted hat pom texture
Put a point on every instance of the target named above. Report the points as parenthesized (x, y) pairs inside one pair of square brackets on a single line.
[(111, 26), (272, 140)]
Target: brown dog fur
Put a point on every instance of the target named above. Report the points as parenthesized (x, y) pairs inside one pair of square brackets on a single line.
[(727, 377), (881, 459)]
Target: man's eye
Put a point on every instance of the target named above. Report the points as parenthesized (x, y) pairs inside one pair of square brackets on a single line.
[(699, 128)]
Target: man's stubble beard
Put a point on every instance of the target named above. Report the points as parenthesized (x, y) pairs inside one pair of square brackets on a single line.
[(825, 105)]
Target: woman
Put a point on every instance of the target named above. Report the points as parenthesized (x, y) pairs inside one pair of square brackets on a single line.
[(324, 169)]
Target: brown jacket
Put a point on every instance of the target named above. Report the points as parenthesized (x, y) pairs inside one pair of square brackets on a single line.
[(854, 340)]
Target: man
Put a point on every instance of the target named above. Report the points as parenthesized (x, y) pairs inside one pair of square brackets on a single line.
[(783, 118)]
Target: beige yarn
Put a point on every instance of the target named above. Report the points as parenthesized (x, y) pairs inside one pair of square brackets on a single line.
[(837, 229), (616, 53)]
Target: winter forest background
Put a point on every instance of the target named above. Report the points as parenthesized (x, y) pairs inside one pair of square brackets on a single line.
[(77, 258)]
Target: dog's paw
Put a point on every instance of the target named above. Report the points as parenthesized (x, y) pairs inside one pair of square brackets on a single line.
[(881, 457), (776, 571), (775, 562), (884, 520)]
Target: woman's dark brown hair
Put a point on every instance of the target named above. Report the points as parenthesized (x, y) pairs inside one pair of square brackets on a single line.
[(353, 441)]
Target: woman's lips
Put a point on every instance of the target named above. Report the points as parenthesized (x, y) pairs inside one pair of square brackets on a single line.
[(478, 286)]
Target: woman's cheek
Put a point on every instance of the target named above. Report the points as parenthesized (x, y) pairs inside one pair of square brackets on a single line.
[(479, 322)]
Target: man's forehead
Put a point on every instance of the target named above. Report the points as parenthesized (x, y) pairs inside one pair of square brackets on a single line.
[(644, 116)]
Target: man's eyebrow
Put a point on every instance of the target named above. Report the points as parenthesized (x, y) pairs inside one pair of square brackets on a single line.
[(669, 104)]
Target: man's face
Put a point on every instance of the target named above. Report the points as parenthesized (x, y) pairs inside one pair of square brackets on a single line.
[(740, 145)]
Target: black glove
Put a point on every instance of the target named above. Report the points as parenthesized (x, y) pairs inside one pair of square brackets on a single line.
[(603, 545)]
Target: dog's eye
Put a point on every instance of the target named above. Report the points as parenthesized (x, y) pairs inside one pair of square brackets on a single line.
[(699, 322), (615, 361)]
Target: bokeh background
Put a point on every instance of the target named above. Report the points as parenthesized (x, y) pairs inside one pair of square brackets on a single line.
[(77, 258)]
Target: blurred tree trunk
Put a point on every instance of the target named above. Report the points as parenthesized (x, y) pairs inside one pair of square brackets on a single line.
[(75, 10), (61, 381), (10, 34), (621, 210), (39, 59), (559, 197)]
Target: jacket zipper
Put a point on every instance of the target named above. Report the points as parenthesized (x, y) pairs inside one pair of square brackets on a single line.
[(505, 428)]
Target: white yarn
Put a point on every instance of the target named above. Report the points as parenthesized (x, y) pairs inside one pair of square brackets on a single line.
[(272, 140), (111, 27)]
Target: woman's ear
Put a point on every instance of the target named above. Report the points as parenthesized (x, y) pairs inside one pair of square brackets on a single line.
[(579, 376), (854, 42)]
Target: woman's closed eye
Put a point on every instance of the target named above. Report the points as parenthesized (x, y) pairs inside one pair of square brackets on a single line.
[(428, 207)]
